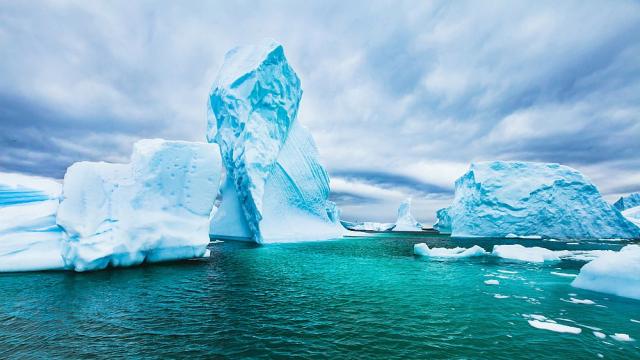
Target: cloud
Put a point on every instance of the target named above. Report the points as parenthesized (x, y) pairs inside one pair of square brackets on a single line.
[(400, 95)]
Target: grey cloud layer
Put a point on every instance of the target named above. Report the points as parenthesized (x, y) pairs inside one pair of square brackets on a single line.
[(399, 95)]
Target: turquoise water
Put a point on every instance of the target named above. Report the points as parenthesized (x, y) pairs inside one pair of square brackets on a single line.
[(359, 298)]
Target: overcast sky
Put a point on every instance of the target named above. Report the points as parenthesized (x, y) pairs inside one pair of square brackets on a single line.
[(400, 96)]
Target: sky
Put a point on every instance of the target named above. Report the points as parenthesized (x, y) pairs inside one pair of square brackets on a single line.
[(400, 96)]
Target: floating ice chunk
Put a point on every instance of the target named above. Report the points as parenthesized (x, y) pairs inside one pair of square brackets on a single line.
[(554, 327), (579, 301), (621, 337), (275, 190), (521, 253), (635, 321), (499, 296), (492, 282), (406, 221), (156, 208), (494, 199), (368, 226), (599, 335), (507, 272), (563, 274), (30, 240), (423, 249), (616, 273)]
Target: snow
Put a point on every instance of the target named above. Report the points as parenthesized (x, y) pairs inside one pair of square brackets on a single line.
[(29, 237), (423, 249), (627, 202), (494, 199), (275, 189), (554, 327), (521, 253), (406, 221), (615, 273), (492, 282), (155, 208)]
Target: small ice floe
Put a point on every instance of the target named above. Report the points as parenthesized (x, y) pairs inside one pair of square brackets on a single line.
[(599, 335), (423, 249), (507, 272), (557, 273), (635, 321), (492, 282), (207, 253), (527, 254), (552, 326), (573, 243), (621, 337), (579, 301), (500, 296)]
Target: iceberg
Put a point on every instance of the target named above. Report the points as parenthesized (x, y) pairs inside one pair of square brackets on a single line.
[(155, 208), (423, 249), (627, 202), (443, 221), (494, 199), (406, 221), (633, 215), (274, 188), (368, 226), (526, 254), (30, 240), (616, 273)]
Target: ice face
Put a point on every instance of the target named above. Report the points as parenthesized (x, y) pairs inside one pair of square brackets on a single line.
[(30, 240), (627, 202), (275, 188), (156, 208), (615, 273), (633, 215), (494, 199), (443, 221), (406, 221)]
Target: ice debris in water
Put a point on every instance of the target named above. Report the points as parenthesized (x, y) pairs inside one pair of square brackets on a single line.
[(275, 189), (495, 199), (406, 221), (29, 236), (492, 282), (621, 337), (423, 249), (521, 253), (155, 208), (615, 273)]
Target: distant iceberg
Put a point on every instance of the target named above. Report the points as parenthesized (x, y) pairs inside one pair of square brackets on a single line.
[(368, 226), (29, 237), (443, 221), (627, 202), (275, 189), (495, 199), (406, 221), (615, 273), (423, 249), (156, 208), (633, 215)]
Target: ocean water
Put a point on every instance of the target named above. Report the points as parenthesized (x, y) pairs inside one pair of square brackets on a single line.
[(358, 298)]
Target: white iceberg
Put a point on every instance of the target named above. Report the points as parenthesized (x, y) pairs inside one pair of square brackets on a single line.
[(368, 226), (423, 249), (406, 221), (275, 188), (494, 199), (29, 237), (633, 215), (527, 254), (615, 273), (156, 208)]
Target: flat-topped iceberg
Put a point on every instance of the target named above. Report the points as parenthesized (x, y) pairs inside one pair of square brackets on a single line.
[(423, 249), (627, 202), (406, 221), (528, 254), (368, 226), (275, 189), (495, 199), (615, 273), (156, 208), (29, 237)]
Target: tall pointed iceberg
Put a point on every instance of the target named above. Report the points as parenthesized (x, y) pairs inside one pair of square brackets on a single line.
[(275, 189), (495, 199), (406, 221)]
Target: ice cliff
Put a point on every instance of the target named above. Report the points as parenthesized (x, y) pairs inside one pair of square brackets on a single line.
[(29, 236), (155, 208), (275, 189), (627, 202), (495, 199), (406, 221)]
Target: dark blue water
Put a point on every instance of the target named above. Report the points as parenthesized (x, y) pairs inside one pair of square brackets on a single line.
[(360, 298)]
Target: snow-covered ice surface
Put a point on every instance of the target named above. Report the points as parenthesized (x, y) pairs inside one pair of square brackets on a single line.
[(528, 254), (633, 215), (422, 249), (495, 199), (627, 202), (368, 226), (406, 221), (29, 237), (615, 273), (155, 208), (275, 190)]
